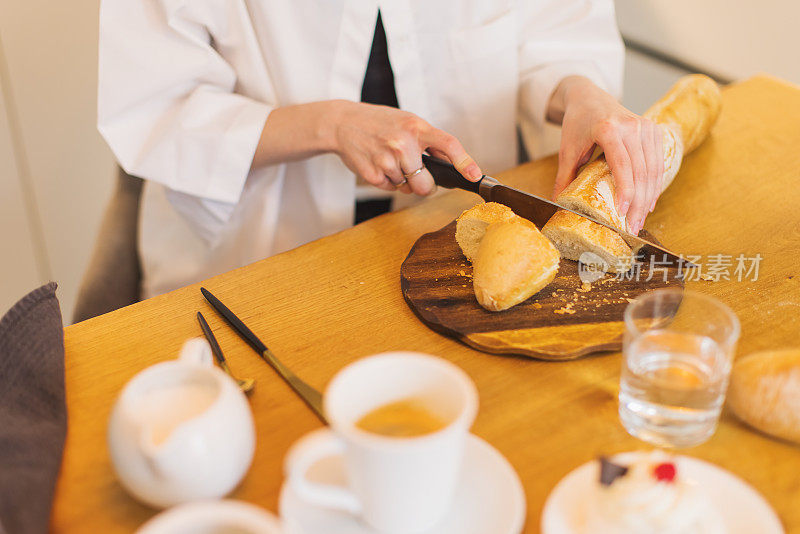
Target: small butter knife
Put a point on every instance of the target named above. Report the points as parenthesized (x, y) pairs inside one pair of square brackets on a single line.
[(310, 396)]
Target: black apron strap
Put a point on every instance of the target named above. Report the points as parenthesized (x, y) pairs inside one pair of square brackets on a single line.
[(378, 88)]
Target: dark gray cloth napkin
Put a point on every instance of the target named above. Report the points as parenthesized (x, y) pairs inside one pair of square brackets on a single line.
[(33, 413)]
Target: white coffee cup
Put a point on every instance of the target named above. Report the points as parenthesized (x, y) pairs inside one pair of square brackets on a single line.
[(395, 485)]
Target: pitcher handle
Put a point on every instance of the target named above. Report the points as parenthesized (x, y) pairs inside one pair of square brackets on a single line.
[(196, 351)]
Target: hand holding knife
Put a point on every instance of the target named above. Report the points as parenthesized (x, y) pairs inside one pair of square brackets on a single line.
[(536, 209)]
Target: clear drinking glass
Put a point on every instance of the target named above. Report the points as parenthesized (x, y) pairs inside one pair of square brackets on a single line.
[(677, 355)]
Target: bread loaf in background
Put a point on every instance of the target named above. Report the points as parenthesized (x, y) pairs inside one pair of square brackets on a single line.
[(514, 261), (686, 113), (764, 392)]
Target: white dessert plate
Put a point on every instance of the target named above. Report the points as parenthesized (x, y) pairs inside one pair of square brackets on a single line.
[(489, 498), (209, 517), (742, 508)]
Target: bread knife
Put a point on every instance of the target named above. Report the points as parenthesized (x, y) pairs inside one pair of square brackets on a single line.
[(536, 209)]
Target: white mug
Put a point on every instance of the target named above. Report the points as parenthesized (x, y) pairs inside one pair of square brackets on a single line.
[(395, 485), (181, 430)]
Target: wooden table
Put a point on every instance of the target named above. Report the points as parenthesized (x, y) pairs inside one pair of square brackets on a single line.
[(338, 299)]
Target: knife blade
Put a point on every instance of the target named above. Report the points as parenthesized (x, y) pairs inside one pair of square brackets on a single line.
[(311, 396), (534, 208)]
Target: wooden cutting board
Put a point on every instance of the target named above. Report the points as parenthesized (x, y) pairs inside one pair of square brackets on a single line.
[(565, 320)]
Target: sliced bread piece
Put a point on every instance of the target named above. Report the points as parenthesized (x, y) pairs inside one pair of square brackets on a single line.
[(471, 225), (513, 262), (573, 236)]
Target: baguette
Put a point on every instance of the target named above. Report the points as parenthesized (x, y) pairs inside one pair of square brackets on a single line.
[(593, 193), (765, 392), (574, 235), (693, 104), (686, 113), (471, 225), (514, 261)]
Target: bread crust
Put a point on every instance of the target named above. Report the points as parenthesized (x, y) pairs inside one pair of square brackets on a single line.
[(472, 223), (693, 104), (514, 262), (764, 392), (592, 193)]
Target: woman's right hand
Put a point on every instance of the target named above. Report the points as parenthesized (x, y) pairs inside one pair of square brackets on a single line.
[(383, 145)]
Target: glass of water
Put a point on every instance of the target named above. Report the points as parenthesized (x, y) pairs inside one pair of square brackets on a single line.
[(677, 355)]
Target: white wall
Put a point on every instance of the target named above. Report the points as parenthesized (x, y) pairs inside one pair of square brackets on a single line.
[(50, 51), (734, 39), (646, 80), (19, 270)]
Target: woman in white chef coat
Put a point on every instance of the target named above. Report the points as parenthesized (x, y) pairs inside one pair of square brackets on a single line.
[(246, 116)]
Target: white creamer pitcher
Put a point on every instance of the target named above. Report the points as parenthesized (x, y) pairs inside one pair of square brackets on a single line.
[(181, 430)]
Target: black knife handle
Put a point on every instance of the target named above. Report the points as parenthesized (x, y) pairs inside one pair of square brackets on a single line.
[(237, 324), (445, 175), (212, 340)]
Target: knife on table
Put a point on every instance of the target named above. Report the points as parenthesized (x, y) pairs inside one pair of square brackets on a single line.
[(311, 396), (536, 209)]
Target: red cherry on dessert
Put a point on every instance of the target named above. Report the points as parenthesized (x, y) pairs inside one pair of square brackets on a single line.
[(665, 472)]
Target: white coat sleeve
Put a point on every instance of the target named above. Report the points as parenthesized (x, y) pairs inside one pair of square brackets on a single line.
[(166, 101), (560, 38)]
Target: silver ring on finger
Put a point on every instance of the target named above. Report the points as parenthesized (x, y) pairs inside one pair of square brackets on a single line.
[(412, 174)]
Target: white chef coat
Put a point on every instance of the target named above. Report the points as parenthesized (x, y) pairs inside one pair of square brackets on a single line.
[(185, 87)]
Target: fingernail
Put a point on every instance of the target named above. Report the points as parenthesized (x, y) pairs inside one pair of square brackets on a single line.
[(623, 208), (474, 172)]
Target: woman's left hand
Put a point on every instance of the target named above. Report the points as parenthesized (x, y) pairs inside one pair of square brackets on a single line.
[(632, 145)]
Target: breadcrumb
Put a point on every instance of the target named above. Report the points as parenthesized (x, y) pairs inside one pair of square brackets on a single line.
[(565, 309)]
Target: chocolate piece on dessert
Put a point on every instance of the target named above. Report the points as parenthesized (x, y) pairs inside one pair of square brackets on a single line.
[(609, 471)]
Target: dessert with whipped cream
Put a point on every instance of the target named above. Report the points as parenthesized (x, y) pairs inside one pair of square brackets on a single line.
[(649, 496)]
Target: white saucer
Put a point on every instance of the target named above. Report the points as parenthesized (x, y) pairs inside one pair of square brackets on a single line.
[(489, 498), (742, 508)]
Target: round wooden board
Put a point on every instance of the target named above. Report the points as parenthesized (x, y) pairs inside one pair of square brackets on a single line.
[(561, 322)]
